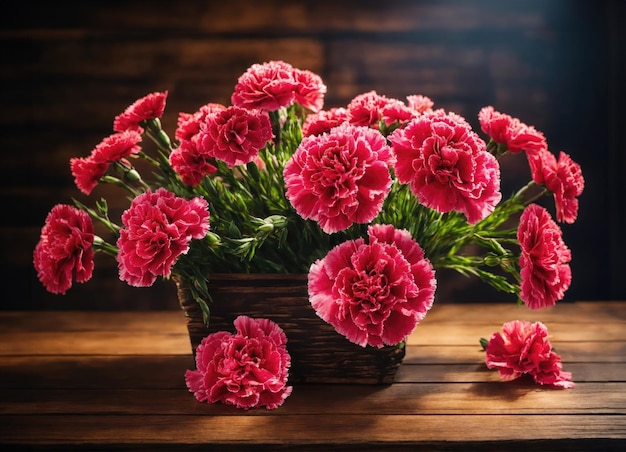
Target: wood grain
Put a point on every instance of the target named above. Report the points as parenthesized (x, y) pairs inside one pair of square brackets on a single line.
[(115, 381), (353, 432)]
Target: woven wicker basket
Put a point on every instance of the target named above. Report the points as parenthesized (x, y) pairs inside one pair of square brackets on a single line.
[(318, 353)]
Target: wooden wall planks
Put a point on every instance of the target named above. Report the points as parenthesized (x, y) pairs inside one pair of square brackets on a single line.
[(68, 71)]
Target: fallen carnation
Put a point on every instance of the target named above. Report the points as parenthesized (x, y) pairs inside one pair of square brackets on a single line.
[(524, 348), (247, 369)]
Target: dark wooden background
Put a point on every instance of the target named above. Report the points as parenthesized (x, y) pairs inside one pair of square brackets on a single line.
[(68, 70)]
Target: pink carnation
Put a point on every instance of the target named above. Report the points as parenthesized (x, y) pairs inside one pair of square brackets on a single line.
[(323, 121), (191, 164), (536, 162), (247, 369), (158, 228), (235, 135), (524, 348), (420, 104), (447, 165), (544, 259), (188, 124), (550, 372), (87, 173), (268, 86), (117, 146), (564, 178), (309, 90), (373, 294), (339, 178), (64, 251), (509, 131), (367, 109), (148, 107), (397, 112)]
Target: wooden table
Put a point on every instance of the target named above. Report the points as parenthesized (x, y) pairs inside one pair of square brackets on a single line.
[(114, 381)]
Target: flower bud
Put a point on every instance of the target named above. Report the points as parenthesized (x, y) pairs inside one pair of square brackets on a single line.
[(266, 227), (278, 221), (492, 260), (157, 133), (163, 139), (132, 175), (213, 239)]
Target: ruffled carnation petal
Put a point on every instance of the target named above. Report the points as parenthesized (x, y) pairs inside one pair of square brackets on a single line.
[(447, 165), (117, 147), (188, 125), (323, 121), (234, 135), (268, 86), (64, 252), (248, 369), (148, 107), (366, 109), (340, 177), (87, 173), (191, 164), (564, 178), (544, 260), (309, 90), (373, 294), (396, 112), (419, 103), (511, 132), (158, 228), (523, 347)]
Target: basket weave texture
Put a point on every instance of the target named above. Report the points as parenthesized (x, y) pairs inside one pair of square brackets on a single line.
[(318, 353)]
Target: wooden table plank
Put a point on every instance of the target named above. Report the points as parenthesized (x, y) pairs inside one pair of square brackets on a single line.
[(174, 321), (118, 343), (590, 352), (485, 398), (354, 430), (437, 333), (170, 321), (94, 343), (481, 313), (115, 380), (166, 372), (476, 373), (126, 343)]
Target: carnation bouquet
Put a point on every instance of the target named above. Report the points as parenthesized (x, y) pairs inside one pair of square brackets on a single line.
[(368, 200)]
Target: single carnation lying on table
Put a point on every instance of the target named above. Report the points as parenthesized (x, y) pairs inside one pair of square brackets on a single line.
[(523, 348), (369, 199)]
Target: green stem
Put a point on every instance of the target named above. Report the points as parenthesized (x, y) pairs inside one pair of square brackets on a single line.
[(119, 183), (157, 134), (102, 218), (105, 247)]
